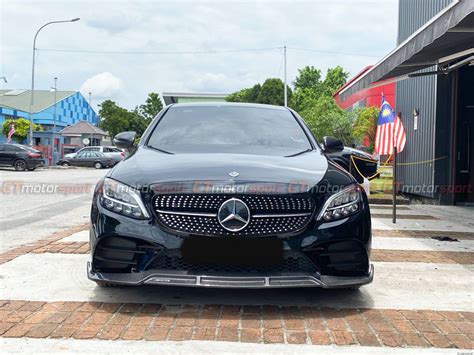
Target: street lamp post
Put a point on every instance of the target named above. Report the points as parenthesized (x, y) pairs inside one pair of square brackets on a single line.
[(32, 99), (53, 132), (89, 112)]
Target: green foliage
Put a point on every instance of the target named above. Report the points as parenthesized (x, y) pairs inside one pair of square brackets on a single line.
[(22, 128), (116, 119), (272, 92), (245, 95), (312, 98), (335, 78), (308, 78), (365, 125), (325, 118), (152, 106)]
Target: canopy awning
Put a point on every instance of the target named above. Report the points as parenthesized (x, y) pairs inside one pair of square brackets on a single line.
[(446, 37)]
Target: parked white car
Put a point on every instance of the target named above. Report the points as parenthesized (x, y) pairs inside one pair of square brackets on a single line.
[(112, 152)]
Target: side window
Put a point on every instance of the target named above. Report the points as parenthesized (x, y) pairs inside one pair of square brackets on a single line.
[(94, 155), (11, 148), (81, 154), (116, 150)]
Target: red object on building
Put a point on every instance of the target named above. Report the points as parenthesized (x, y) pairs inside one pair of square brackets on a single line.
[(367, 97)]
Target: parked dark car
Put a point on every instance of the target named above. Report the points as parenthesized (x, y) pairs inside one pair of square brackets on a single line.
[(229, 195), (366, 163), (88, 159), (21, 157)]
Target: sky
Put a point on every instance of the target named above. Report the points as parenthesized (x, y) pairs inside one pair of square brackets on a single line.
[(321, 33)]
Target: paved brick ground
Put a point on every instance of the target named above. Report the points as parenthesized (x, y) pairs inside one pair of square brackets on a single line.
[(291, 325), (443, 257), (27, 248), (421, 234), (404, 216)]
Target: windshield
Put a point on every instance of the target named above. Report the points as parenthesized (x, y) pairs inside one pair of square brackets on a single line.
[(229, 129)]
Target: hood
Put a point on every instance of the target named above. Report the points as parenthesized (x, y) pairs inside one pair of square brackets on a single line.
[(149, 166)]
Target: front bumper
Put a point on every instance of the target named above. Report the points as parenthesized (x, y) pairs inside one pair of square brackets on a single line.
[(184, 278)]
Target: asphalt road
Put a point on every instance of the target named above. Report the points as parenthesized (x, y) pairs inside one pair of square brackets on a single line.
[(35, 204)]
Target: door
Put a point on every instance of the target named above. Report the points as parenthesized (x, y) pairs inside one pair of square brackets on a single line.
[(9, 154), (79, 159), (464, 188)]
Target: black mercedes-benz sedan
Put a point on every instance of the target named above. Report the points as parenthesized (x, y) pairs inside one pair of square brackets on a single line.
[(229, 195)]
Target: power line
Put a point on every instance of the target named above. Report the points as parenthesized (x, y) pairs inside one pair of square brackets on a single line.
[(337, 53), (160, 52), (204, 51)]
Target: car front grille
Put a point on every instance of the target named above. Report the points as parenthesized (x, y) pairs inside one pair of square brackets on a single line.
[(197, 214)]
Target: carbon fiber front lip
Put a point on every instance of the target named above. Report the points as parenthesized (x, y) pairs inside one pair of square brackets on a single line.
[(183, 278)]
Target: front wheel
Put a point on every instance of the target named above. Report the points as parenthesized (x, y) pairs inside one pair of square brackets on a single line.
[(98, 165), (65, 164), (20, 165)]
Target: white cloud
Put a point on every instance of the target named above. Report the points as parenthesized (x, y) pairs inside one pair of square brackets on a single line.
[(102, 86), (354, 26)]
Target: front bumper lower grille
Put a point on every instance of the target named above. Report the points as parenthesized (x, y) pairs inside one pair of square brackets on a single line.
[(270, 215)]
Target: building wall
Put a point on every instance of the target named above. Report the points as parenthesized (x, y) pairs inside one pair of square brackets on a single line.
[(69, 111), (199, 99), (421, 94)]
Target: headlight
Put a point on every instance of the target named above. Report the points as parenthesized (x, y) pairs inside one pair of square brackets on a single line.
[(122, 199), (341, 204)]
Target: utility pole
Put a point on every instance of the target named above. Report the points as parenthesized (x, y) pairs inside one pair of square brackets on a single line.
[(284, 64)]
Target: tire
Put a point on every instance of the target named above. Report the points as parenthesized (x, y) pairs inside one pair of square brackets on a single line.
[(31, 169), (98, 165), (65, 164), (20, 165)]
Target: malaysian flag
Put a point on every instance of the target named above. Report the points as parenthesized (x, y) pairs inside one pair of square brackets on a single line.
[(390, 131), (11, 132)]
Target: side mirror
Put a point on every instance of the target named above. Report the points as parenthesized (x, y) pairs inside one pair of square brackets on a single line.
[(332, 144), (125, 139)]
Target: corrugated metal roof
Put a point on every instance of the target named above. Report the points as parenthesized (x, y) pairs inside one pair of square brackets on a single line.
[(20, 99), (82, 127)]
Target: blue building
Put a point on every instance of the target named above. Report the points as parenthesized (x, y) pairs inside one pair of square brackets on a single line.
[(71, 107)]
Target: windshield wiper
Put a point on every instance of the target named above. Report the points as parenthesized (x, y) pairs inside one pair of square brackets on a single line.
[(160, 150), (299, 153)]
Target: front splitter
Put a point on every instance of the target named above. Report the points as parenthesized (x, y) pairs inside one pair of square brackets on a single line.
[(184, 278)]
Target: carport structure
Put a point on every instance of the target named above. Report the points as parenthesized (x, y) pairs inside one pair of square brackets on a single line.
[(433, 67)]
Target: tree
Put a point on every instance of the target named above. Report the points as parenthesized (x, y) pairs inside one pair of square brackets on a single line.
[(152, 106), (325, 118), (302, 98), (271, 92), (335, 78), (22, 128), (245, 95), (308, 78), (365, 125), (116, 119)]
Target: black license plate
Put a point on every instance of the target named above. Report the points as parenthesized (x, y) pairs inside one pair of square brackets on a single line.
[(232, 251)]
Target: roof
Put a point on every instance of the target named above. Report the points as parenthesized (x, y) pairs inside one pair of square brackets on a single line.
[(20, 99), (230, 104), (351, 80), (82, 127), (170, 97), (447, 36)]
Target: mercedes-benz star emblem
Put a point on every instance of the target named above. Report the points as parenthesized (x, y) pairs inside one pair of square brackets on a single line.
[(233, 174), (234, 215)]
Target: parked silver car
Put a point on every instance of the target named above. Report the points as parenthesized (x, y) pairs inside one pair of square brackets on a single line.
[(111, 152)]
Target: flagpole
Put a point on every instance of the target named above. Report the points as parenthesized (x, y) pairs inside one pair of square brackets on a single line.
[(394, 184)]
